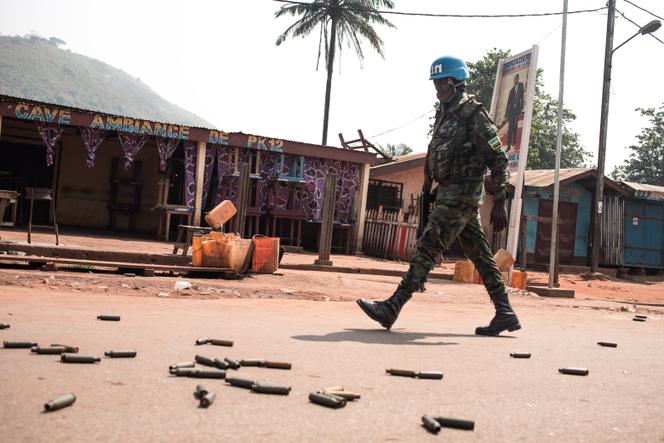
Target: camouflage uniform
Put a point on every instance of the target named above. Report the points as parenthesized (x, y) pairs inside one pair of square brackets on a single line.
[(464, 145)]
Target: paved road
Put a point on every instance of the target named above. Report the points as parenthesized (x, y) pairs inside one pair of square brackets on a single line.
[(329, 344)]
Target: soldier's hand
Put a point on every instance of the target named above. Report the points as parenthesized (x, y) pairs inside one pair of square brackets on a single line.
[(499, 216)]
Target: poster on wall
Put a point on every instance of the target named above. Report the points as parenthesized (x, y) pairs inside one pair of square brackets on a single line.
[(513, 97)]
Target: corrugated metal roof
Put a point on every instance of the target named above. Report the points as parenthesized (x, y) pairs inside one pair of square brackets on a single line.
[(541, 178), (402, 159), (645, 191)]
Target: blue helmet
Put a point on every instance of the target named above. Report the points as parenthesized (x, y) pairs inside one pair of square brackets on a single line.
[(448, 66)]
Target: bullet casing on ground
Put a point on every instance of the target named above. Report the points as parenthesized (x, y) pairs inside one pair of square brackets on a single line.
[(232, 363), (402, 372), (331, 401), (182, 365), (456, 423), (19, 344), (108, 317), (204, 360), (200, 392), (203, 373), (520, 354), (207, 399), (128, 353), (60, 402), (639, 319), (252, 362), (202, 340), (218, 342), (430, 375), (220, 364), (5, 326), (76, 358), (68, 348), (271, 388), (346, 395), (277, 364), (49, 350), (431, 423), (241, 382), (607, 344), (574, 371)]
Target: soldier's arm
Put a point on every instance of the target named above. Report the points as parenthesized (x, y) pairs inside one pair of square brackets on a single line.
[(485, 138)]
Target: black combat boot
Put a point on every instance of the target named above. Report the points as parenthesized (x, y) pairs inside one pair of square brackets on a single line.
[(505, 318), (386, 312)]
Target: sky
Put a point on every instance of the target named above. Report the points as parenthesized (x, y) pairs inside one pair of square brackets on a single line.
[(219, 60)]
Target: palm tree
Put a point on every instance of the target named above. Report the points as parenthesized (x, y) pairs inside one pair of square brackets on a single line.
[(340, 21)]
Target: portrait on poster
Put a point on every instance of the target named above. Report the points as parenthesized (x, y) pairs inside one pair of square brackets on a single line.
[(511, 102)]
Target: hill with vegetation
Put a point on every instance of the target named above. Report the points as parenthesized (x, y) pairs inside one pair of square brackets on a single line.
[(37, 68)]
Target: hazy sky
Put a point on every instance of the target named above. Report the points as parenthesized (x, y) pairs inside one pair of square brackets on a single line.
[(219, 60)]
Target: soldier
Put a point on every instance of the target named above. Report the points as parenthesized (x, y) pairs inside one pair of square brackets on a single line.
[(464, 144)]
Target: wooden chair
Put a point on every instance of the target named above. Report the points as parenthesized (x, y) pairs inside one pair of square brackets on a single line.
[(187, 232), (41, 194), (167, 210)]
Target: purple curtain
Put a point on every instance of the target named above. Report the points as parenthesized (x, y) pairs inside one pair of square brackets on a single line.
[(131, 145), (92, 138), (190, 172), (50, 134), (166, 147), (315, 170), (226, 184), (210, 154)]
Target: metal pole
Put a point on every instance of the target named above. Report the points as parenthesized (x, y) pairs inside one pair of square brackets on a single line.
[(553, 254), (601, 151)]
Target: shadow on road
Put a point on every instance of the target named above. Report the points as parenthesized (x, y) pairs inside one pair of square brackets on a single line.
[(381, 336)]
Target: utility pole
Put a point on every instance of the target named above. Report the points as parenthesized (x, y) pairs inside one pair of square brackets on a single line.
[(553, 256), (601, 151)]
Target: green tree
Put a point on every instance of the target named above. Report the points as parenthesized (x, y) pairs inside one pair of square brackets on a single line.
[(400, 149), (542, 148), (340, 21), (646, 161)]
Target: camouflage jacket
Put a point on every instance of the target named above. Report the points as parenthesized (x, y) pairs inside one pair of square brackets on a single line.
[(464, 144)]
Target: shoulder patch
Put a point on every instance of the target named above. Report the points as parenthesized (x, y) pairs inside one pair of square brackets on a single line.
[(495, 143)]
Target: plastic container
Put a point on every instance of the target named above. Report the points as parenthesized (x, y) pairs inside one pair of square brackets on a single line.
[(464, 271), (265, 259), (214, 253), (519, 279), (218, 216), (504, 260), (197, 251), (239, 253)]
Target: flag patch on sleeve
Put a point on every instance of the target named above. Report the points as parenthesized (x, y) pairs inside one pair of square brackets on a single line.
[(494, 142)]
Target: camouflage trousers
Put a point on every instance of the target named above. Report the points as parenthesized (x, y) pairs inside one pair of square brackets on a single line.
[(448, 221)]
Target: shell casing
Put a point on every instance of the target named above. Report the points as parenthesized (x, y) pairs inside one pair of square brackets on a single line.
[(207, 399), (241, 382), (220, 364), (331, 401), (402, 372), (431, 424), (607, 344), (639, 319), (202, 341), (641, 316), (574, 371), (202, 373), (456, 423), (68, 348), (121, 354), (183, 364), (252, 362), (107, 317), (49, 350), (204, 360), (182, 372), (346, 395), (430, 375), (217, 342), (200, 392), (271, 388), (76, 358), (5, 326), (19, 344), (277, 364), (232, 363), (520, 354), (60, 402)]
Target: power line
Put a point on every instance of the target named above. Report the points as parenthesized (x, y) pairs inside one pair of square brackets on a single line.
[(427, 14), (638, 26), (404, 125), (644, 10)]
